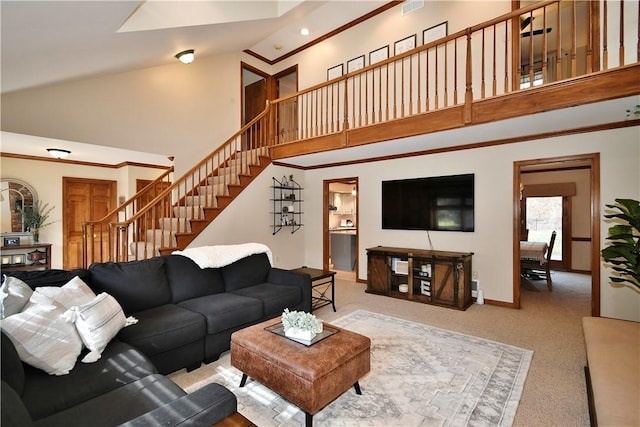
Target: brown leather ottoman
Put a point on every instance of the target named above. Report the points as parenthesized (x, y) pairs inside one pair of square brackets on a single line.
[(310, 377)]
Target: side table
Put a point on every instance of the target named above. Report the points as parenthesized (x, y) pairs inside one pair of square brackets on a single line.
[(321, 282)]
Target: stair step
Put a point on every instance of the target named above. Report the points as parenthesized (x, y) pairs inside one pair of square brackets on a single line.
[(160, 237), (137, 250), (234, 169), (213, 189), (204, 200), (254, 154), (176, 225), (191, 212), (223, 179)]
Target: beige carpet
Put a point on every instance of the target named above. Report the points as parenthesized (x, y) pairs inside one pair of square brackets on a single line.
[(549, 324)]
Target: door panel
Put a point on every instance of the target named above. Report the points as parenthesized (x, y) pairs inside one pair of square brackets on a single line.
[(85, 200)]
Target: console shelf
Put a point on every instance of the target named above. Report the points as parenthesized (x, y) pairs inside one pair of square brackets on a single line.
[(431, 277), (26, 257)]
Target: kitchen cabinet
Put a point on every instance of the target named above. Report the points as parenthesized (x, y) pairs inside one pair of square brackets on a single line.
[(343, 249), (342, 203)]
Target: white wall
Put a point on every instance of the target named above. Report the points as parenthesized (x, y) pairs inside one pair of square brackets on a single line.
[(492, 241), (250, 219), (179, 110), (46, 178)]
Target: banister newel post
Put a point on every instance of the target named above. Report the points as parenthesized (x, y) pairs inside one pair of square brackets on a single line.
[(468, 94)]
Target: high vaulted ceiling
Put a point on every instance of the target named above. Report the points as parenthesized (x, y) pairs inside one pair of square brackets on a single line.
[(45, 42)]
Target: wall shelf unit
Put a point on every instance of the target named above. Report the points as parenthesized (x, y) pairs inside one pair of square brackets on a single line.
[(287, 205), (431, 277)]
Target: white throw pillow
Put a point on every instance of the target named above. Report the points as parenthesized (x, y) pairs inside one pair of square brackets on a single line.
[(97, 322), (44, 339), (14, 295), (75, 292)]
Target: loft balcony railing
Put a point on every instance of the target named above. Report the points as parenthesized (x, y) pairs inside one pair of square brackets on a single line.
[(535, 46)]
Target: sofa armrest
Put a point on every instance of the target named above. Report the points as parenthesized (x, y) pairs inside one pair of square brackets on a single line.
[(279, 276), (205, 406)]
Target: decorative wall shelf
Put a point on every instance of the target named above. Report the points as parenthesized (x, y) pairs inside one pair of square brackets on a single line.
[(287, 205)]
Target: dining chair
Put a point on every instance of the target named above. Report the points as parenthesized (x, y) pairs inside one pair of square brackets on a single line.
[(535, 271)]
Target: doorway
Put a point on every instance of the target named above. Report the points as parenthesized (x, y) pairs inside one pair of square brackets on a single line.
[(259, 86), (84, 200), (589, 166), (542, 215), (340, 225)]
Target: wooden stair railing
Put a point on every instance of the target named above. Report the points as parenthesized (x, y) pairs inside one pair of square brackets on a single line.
[(175, 216), (95, 234)]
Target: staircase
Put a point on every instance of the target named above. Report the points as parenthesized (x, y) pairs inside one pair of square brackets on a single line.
[(176, 212)]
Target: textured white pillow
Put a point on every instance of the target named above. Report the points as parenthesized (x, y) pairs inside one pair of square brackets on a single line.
[(74, 292), (44, 339), (14, 295), (97, 322)]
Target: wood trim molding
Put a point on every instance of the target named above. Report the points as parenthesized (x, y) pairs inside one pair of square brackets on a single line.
[(544, 135), (338, 30), (84, 163)]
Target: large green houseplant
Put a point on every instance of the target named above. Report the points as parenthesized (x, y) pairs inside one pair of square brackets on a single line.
[(623, 252)]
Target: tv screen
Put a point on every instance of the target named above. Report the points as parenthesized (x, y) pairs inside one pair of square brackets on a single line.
[(443, 203)]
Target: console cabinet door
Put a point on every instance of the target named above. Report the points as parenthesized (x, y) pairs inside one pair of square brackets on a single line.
[(377, 274)]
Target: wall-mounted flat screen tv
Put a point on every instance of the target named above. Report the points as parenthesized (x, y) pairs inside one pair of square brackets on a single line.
[(443, 203)]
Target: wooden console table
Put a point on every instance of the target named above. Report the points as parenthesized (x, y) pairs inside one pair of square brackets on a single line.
[(26, 257), (431, 277)]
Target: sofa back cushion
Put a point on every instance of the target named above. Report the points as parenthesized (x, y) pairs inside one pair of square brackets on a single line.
[(187, 280), (245, 272), (136, 285), (53, 277), (12, 368)]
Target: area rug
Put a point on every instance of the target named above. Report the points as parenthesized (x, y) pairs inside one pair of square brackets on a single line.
[(420, 376)]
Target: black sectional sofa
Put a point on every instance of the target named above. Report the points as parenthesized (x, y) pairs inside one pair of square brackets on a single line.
[(186, 315)]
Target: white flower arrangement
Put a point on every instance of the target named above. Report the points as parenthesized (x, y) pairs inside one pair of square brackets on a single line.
[(301, 325)]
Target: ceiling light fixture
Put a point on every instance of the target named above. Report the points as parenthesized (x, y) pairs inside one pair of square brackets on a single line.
[(58, 153), (186, 56), (304, 31)]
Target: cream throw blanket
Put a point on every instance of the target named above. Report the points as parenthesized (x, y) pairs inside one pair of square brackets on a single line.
[(221, 255)]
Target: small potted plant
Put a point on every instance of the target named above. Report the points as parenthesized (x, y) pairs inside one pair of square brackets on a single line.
[(300, 325), (35, 217), (623, 252)]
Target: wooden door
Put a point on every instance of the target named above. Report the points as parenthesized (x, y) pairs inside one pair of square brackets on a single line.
[(255, 96), (84, 200)]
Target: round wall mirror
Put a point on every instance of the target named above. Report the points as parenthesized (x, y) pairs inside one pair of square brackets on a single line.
[(15, 196)]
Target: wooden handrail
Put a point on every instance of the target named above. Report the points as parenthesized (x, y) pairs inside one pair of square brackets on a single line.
[(182, 204), (88, 227)]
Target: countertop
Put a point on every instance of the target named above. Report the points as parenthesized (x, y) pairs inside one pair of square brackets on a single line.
[(343, 230)]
